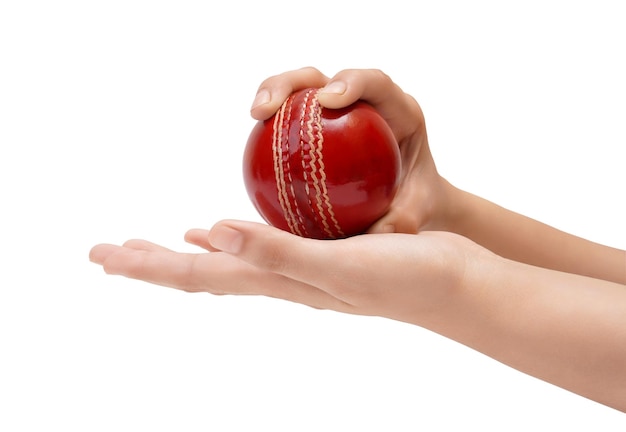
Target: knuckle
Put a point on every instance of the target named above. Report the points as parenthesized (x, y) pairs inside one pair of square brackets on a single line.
[(310, 70), (374, 75), (380, 75)]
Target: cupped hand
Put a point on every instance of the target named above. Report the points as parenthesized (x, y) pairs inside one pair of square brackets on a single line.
[(398, 276), (421, 199)]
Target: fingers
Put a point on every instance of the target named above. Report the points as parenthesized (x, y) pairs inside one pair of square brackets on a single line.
[(142, 260), (144, 245), (276, 251), (187, 272), (275, 90), (199, 237), (98, 254), (401, 111), (215, 273), (350, 85), (371, 85)]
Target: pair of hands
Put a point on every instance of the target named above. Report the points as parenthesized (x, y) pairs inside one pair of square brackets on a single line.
[(426, 262), (390, 272)]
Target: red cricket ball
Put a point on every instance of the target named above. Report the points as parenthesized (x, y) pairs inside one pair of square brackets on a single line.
[(321, 173)]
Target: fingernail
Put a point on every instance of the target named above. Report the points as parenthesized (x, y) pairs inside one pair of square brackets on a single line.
[(335, 87), (226, 239), (262, 97)]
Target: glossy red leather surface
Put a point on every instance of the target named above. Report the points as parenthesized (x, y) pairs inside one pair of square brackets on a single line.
[(321, 173)]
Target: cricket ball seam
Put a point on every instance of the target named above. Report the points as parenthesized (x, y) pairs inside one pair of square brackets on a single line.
[(315, 134), (298, 222), (278, 143)]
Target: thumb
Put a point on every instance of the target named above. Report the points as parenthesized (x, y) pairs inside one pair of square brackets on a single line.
[(272, 249)]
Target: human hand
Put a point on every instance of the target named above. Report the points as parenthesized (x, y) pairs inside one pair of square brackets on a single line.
[(441, 281), (398, 276), (420, 202)]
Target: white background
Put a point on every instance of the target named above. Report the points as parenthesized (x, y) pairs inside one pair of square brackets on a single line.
[(124, 119)]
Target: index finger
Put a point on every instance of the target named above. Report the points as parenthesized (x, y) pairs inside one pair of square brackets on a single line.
[(276, 89)]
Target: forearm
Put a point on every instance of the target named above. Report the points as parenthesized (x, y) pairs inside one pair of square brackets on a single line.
[(523, 239), (566, 329)]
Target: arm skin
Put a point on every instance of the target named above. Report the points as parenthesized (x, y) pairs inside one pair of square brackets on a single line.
[(545, 302), (563, 328), (526, 240)]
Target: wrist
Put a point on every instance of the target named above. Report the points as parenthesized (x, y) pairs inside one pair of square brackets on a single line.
[(463, 269), (446, 211)]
